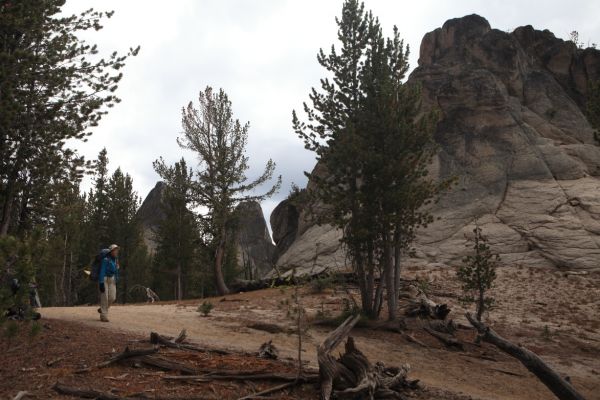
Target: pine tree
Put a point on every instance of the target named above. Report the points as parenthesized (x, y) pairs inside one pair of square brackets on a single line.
[(179, 249), (221, 183), (125, 229), (98, 202), (368, 131), (477, 273), (53, 87)]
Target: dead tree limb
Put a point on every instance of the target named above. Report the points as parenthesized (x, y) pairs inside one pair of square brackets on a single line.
[(127, 354), (561, 388)]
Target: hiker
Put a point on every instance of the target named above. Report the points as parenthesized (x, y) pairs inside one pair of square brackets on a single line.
[(107, 281)]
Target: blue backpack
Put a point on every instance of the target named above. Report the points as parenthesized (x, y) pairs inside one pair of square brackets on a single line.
[(97, 263)]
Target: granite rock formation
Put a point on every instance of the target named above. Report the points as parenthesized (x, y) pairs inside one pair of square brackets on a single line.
[(255, 249), (513, 131), (151, 214)]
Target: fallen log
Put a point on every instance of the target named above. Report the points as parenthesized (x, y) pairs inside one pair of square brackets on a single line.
[(242, 377), (98, 395), (444, 326), (166, 365), (352, 375), (447, 340), (426, 308), (161, 340), (127, 354), (414, 340), (558, 385)]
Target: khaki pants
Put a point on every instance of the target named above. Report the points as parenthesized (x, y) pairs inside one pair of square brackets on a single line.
[(108, 297)]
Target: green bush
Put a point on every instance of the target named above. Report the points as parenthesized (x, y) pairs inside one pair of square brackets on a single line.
[(321, 283), (205, 308)]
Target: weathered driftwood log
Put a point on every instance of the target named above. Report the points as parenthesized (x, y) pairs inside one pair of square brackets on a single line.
[(561, 388), (426, 308), (352, 375)]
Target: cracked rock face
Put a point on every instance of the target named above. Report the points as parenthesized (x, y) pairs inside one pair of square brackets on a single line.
[(514, 133), (254, 247)]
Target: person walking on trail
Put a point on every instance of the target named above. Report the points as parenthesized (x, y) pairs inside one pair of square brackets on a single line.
[(107, 281)]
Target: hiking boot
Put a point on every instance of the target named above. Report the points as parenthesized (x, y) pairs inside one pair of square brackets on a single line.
[(104, 319)]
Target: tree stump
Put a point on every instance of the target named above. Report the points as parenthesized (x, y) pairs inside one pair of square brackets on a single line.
[(352, 375)]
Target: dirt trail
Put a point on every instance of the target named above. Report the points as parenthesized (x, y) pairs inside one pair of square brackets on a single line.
[(574, 351)]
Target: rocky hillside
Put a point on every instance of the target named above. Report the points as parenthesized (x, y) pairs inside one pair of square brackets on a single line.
[(255, 249), (514, 133)]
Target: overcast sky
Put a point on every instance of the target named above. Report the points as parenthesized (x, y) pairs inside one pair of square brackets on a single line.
[(263, 53)]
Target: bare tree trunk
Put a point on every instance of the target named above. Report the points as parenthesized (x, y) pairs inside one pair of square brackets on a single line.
[(561, 388), (397, 258), (64, 272), (70, 281), (7, 209), (379, 294), (390, 280), (218, 266), (480, 304), (179, 291), (365, 296)]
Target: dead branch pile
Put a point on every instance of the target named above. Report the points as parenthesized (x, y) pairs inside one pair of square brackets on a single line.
[(149, 357)]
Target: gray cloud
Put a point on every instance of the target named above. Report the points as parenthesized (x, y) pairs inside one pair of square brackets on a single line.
[(263, 53)]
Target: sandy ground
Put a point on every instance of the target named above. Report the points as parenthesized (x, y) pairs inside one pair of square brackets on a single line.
[(556, 316)]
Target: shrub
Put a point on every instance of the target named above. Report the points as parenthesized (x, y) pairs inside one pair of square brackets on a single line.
[(321, 283), (205, 308)]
